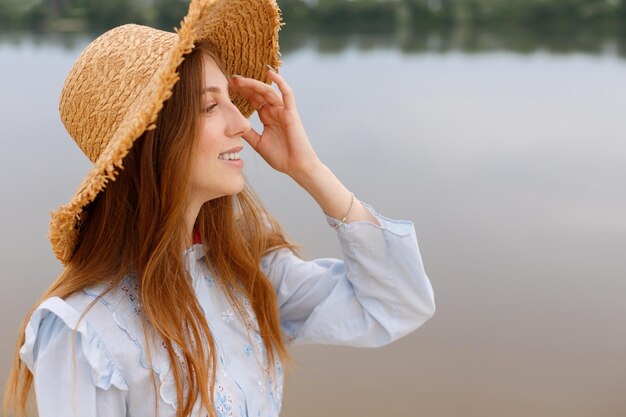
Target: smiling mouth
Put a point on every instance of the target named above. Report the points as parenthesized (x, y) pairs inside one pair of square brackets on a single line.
[(230, 156)]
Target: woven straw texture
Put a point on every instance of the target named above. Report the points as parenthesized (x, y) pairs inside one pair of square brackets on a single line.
[(119, 83)]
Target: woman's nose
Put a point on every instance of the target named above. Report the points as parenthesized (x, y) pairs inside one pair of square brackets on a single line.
[(241, 124)]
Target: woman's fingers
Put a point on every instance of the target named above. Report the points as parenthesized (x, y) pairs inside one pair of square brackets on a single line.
[(250, 89), (253, 138), (256, 100), (289, 101), (257, 92)]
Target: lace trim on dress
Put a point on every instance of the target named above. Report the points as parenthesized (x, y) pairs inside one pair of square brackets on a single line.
[(126, 308)]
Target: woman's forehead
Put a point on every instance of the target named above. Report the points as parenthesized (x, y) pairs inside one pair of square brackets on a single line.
[(214, 78)]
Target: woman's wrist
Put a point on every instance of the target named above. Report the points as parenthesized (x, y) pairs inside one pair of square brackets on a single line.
[(331, 195), (309, 175)]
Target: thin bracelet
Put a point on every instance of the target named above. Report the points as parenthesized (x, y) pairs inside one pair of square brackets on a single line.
[(345, 217)]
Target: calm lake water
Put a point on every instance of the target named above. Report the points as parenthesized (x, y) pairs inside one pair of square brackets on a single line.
[(511, 166)]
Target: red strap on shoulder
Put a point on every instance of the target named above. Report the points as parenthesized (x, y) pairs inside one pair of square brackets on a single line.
[(196, 236)]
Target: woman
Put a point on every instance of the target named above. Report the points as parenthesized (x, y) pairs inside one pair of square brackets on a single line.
[(131, 327)]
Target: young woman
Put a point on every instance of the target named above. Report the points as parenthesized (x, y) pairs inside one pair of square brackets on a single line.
[(180, 292)]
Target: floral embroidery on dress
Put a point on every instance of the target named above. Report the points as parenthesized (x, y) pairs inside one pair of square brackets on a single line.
[(223, 402), (247, 350), (131, 289), (180, 359), (177, 352), (273, 396), (260, 348), (125, 306), (228, 316), (276, 392), (228, 401), (210, 281), (250, 317), (270, 393)]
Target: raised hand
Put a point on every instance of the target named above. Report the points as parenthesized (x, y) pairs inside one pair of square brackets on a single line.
[(283, 144)]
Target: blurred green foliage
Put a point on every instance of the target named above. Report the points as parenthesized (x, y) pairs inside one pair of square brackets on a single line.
[(363, 16)]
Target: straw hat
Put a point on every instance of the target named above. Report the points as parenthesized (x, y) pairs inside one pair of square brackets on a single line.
[(119, 83)]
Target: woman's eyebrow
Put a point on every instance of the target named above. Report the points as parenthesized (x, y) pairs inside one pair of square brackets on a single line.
[(211, 89), (215, 89)]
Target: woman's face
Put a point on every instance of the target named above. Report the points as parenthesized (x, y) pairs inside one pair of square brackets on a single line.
[(221, 126)]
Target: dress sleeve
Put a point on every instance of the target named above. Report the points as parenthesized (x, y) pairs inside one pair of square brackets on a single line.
[(90, 385), (377, 293)]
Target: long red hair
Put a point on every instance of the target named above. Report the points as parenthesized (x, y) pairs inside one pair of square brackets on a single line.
[(138, 223)]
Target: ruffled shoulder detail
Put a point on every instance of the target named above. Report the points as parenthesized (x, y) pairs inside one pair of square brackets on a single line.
[(125, 305), (104, 370)]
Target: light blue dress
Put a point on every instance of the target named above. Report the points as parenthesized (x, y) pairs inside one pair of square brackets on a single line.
[(378, 293)]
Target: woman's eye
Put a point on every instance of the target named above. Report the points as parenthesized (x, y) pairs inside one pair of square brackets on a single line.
[(209, 108)]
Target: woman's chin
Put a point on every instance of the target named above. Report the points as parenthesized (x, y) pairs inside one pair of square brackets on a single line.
[(237, 189)]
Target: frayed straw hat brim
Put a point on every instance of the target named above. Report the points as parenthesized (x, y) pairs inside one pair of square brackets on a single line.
[(118, 85)]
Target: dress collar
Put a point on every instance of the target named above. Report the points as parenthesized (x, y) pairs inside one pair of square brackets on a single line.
[(194, 252), (191, 258)]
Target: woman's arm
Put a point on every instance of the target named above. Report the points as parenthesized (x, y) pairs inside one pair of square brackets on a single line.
[(285, 146), (331, 195), (377, 293)]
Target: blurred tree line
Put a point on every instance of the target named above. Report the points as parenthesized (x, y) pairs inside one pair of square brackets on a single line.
[(363, 16)]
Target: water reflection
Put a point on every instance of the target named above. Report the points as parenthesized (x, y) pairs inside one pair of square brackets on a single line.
[(510, 163), (68, 41), (469, 40)]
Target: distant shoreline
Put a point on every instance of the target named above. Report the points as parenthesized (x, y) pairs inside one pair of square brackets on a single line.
[(337, 16), (438, 41)]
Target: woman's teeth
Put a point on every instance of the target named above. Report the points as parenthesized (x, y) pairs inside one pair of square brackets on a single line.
[(229, 156)]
